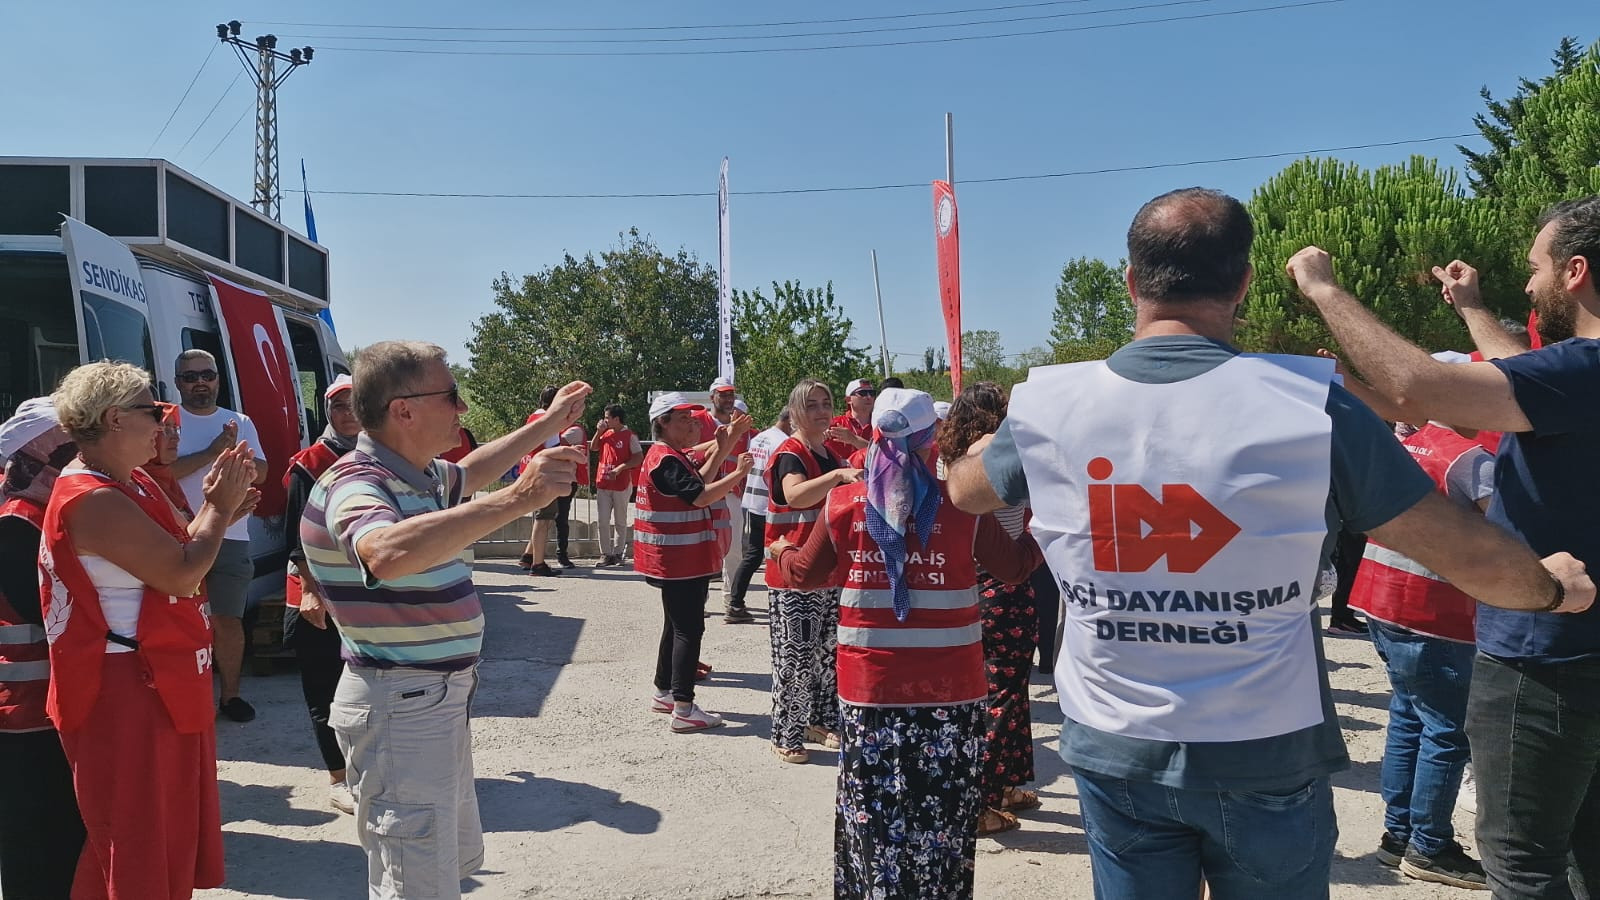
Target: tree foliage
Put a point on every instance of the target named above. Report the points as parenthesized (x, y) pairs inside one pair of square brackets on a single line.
[(631, 321), (1092, 306), (1545, 140), (1386, 229), (795, 333), (983, 356)]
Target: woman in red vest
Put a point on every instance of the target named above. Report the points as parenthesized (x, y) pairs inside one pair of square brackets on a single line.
[(676, 546), (130, 642), (306, 626), (805, 623), (911, 682), (1010, 632), (41, 833)]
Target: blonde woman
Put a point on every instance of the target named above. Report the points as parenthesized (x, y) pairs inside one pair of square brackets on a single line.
[(130, 640)]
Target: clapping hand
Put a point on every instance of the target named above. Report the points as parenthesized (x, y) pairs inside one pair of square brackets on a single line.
[(548, 474), (569, 403), (729, 434), (229, 482)]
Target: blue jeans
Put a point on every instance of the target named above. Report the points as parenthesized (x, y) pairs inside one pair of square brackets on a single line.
[(1150, 841), (1427, 744)]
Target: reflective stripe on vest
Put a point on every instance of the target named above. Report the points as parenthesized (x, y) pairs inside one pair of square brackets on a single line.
[(24, 654), (21, 634), (1391, 587), (793, 517), (910, 637), (860, 599), (666, 515), (674, 540), (35, 670)]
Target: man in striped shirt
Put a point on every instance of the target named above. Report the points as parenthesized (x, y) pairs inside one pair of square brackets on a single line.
[(383, 532)]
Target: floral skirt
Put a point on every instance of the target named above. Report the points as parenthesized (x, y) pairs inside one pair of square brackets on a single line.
[(1010, 635), (906, 818)]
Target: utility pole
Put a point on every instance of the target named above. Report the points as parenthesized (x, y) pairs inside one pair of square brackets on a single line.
[(264, 66)]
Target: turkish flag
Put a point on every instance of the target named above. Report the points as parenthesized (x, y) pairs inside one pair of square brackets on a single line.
[(269, 392), (947, 238)]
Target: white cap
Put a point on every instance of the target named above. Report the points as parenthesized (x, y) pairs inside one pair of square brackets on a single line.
[(741, 406), (721, 384), (857, 385), (941, 409), (1452, 356), (341, 383), (665, 403), (34, 418), (901, 412)]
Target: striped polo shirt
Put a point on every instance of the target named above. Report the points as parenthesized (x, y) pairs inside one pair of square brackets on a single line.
[(430, 620)]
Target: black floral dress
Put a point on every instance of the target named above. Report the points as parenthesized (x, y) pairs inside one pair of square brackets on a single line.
[(907, 810), (1010, 636)]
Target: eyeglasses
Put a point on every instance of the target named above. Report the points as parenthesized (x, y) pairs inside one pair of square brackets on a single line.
[(157, 410), (452, 393), (191, 377), (865, 392)]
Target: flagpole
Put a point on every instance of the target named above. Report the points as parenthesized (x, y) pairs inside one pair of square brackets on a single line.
[(950, 149), (883, 334)]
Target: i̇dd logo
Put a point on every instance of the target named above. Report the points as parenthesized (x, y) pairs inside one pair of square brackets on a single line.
[(1182, 526)]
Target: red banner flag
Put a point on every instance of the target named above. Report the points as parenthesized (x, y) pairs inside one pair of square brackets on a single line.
[(947, 237), (268, 390)]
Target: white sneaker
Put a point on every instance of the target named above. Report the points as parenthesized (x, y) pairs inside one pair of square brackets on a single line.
[(1467, 799), (661, 702), (696, 719), (340, 798)]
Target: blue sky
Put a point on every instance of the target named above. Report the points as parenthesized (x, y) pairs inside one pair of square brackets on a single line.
[(100, 78)]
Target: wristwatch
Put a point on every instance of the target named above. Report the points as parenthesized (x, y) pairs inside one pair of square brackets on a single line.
[(1559, 598)]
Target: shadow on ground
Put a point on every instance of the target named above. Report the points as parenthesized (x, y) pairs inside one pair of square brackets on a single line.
[(522, 801), (256, 864)]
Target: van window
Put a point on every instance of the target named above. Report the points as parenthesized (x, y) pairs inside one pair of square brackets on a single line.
[(311, 372), (115, 331), (211, 342), (38, 328)]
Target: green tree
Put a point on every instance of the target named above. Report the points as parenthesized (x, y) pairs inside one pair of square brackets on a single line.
[(795, 333), (631, 321), (1386, 229), (1545, 143), (1502, 125), (1092, 307), (982, 356)]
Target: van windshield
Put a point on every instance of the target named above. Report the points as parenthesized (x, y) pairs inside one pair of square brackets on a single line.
[(38, 329), (117, 332)]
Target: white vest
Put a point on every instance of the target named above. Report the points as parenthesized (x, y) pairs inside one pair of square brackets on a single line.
[(1185, 524)]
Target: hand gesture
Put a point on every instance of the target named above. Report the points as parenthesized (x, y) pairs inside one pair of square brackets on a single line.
[(778, 546), (312, 612), (569, 403), (227, 438), (839, 433), (729, 434), (252, 498), (230, 478), (547, 475), (1311, 268), (848, 476), (743, 463), (1459, 285), (1574, 578)]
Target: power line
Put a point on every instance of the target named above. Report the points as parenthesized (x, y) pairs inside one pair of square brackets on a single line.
[(904, 43), (231, 128), (209, 113), (921, 185), (760, 37), (709, 26), (185, 96)]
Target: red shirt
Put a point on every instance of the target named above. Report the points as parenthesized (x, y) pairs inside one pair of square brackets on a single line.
[(861, 430)]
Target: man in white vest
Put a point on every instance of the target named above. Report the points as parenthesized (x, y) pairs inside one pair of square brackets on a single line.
[(1186, 497)]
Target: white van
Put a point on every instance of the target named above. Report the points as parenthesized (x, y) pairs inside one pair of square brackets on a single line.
[(179, 231)]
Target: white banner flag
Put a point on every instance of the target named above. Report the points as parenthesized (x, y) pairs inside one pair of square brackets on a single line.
[(724, 285)]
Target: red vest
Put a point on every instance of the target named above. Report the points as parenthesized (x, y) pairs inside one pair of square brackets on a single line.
[(784, 521), (934, 657), (24, 653), (861, 430), (313, 460), (673, 539), (616, 446), (1393, 588), (582, 475), (174, 632), (708, 432)]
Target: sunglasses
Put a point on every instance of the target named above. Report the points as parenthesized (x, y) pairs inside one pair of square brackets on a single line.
[(157, 410), (206, 375), (865, 392), (452, 393)]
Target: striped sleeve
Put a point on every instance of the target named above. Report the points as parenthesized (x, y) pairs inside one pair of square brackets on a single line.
[(356, 508)]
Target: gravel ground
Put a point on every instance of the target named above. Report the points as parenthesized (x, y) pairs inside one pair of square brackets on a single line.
[(586, 794)]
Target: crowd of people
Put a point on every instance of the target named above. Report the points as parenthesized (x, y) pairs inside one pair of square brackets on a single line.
[(1173, 516)]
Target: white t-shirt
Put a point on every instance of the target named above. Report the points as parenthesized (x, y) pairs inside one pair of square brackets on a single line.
[(197, 433)]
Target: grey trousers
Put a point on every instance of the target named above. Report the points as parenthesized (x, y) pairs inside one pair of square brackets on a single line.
[(408, 749)]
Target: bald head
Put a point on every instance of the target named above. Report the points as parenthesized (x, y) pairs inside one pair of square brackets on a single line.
[(1190, 244)]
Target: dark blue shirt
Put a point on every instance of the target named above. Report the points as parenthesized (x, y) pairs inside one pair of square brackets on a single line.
[(1373, 479), (1547, 492)]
